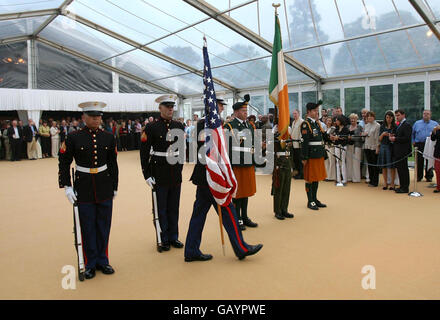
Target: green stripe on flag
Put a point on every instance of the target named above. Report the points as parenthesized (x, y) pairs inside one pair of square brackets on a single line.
[(277, 47)]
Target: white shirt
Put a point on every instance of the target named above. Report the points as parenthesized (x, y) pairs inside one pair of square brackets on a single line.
[(16, 136), (296, 131), (372, 140)]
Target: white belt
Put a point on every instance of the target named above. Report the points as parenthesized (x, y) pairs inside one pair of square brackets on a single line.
[(243, 149), (316, 143), (91, 170), (285, 154), (164, 154)]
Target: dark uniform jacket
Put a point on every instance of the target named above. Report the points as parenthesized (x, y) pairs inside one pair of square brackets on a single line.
[(155, 136), (311, 131), (90, 149), (240, 140), (402, 145), (198, 176)]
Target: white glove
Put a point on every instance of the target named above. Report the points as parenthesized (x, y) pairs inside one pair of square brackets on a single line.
[(115, 193), (151, 182), (70, 194)]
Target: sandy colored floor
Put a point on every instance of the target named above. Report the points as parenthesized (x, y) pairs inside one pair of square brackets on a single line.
[(314, 256)]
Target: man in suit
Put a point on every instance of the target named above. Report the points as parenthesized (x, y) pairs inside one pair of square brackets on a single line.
[(402, 149), (15, 135), (30, 134), (64, 130)]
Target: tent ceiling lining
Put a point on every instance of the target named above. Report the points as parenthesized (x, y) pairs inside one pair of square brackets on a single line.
[(422, 8), (113, 69)]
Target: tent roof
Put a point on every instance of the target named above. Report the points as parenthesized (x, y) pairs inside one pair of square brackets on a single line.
[(160, 42)]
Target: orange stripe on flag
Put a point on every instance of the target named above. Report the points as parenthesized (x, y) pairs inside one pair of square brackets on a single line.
[(283, 115)]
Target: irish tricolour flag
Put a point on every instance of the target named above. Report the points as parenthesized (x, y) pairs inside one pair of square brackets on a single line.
[(278, 93)]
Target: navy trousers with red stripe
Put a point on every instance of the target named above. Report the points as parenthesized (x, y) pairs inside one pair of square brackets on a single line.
[(95, 220), (204, 201)]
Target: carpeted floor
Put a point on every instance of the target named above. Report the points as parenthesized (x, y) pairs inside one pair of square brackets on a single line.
[(317, 255)]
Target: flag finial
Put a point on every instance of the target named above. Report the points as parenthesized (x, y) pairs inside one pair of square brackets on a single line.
[(276, 6)]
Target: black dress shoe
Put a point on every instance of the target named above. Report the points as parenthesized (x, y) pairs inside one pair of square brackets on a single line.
[(401, 191), (90, 273), (251, 251), (249, 223), (279, 216), (105, 269), (312, 205), (287, 215), (319, 204), (163, 247), (241, 224), (202, 257), (436, 191), (176, 244)]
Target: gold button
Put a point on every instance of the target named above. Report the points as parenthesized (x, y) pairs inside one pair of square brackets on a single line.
[(94, 136), (96, 158), (94, 141), (96, 163), (95, 146), (96, 151)]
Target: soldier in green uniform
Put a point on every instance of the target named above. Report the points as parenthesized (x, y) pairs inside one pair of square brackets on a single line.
[(313, 155), (241, 153), (281, 178)]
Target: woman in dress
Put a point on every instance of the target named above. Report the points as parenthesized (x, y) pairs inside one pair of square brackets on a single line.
[(354, 150), (387, 128), (44, 131), (55, 139), (123, 135), (340, 141), (330, 163)]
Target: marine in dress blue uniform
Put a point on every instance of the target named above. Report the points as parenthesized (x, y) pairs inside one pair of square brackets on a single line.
[(96, 184), (166, 178), (204, 201)]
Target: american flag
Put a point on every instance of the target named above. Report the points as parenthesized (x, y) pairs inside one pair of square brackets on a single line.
[(221, 178)]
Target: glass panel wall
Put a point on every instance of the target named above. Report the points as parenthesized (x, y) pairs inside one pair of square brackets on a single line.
[(435, 100), (331, 98), (14, 66), (354, 100), (293, 101), (308, 96), (381, 100), (412, 100)]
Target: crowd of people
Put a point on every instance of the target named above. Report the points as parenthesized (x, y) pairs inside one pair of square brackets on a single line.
[(366, 147), (356, 142), (18, 141)]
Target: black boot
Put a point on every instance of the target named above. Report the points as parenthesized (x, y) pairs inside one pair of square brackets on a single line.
[(319, 204), (237, 204), (246, 221), (310, 203)]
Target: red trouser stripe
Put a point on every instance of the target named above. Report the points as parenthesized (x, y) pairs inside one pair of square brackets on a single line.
[(236, 229), (83, 250)]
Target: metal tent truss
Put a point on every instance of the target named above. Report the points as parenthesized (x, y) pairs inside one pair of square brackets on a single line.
[(306, 55)]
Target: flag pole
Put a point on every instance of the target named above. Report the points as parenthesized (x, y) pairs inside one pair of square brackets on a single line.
[(276, 6), (220, 219)]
